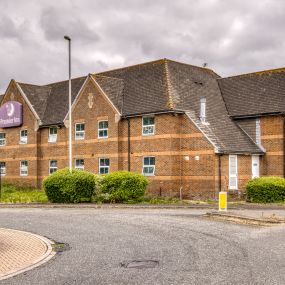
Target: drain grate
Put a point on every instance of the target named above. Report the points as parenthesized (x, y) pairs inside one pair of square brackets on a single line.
[(140, 264)]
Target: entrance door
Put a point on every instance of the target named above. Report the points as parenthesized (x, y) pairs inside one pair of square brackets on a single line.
[(233, 179), (255, 166)]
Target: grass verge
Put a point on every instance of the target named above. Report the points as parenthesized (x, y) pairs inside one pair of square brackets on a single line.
[(20, 194)]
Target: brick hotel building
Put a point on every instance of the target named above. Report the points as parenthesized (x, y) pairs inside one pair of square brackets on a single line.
[(184, 127)]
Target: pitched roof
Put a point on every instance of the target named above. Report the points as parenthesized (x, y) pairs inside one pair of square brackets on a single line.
[(156, 86), (254, 93), (1, 97)]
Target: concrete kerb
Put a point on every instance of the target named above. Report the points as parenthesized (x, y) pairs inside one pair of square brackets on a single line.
[(232, 217), (41, 260)]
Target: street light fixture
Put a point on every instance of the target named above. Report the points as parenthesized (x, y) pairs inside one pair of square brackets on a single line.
[(69, 97)]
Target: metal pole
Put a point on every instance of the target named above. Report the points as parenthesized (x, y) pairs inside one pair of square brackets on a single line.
[(69, 97)]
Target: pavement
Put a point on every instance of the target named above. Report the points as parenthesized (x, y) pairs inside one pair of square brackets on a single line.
[(22, 251), (180, 243)]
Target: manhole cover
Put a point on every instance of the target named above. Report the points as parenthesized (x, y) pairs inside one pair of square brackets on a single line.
[(140, 264)]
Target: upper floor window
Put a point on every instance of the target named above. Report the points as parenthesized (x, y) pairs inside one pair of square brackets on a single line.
[(257, 132), (104, 165), (23, 167), (79, 131), (103, 129), (148, 126), (23, 136), (2, 139), (203, 110), (2, 168), (148, 165), (79, 164), (52, 135), (52, 166)]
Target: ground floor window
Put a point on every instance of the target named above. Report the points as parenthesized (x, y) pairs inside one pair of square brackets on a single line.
[(149, 165), (23, 168), (104, 165), (2, 168), (52, 166), (79, 164)]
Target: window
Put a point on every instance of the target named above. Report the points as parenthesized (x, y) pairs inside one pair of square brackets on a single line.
[(233, 172), (79, 164), (23, 136), (148, 126), (79, 131), (52, 166), (52, 136), (104, 165), (2, 139), (2, 168), (102, 129), (148, 165), (257, 132), (203, 110), (23, 168)]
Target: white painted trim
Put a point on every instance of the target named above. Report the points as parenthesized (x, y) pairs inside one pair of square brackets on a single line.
[(28, 102), (76, 97), (209, 140), (108, 99), (236, 157)]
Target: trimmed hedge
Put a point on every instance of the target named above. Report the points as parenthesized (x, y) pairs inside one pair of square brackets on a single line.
[(62, 187), (123, 186), (266, 190)]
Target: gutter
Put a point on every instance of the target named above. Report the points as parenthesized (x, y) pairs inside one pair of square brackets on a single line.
[(153, 113), (256, 115)]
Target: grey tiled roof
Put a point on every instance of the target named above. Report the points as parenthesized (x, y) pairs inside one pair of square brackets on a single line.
[(255, 93), (161, 85)]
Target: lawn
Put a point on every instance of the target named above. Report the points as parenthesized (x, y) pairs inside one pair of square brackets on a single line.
[(16, 194)]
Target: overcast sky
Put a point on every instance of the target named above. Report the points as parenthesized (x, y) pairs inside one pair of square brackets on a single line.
[(232, 36)]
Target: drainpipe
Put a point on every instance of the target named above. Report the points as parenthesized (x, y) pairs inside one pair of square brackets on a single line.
[(284, 147), (129, 145), (220, 173)]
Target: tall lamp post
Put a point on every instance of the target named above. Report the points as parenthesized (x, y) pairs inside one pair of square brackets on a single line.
[(69, 97)]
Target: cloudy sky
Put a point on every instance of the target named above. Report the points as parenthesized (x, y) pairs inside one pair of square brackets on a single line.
[(231, 36)]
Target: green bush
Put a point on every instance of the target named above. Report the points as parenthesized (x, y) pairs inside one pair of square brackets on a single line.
[(266, 190), (62, 187), (123, 186)]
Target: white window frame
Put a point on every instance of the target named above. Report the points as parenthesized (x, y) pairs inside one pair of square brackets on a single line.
[(52, 138), (257, 132), (103, 129), (51, 168), (147, 127), (104, 166), (148, 166), (24, 169), (3, 140), (79, 166), (23, 139), (203, 110), (3, 168), (230, 175), (79, 132)]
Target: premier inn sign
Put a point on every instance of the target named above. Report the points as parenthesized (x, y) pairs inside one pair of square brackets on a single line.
[(11, 114)]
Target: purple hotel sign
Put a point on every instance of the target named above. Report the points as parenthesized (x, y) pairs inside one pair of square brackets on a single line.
[(11, 114)]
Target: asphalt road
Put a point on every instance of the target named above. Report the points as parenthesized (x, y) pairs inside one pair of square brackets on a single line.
[(190, 249)]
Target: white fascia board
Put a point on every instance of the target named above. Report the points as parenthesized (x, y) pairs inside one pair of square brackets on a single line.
[(28, 102), (104, 94)]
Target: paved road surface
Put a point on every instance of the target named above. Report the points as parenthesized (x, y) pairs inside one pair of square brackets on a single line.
[(189, 248)]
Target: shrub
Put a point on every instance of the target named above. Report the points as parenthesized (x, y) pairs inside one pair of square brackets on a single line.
[(62, 187), (123, 186), (266, 190)]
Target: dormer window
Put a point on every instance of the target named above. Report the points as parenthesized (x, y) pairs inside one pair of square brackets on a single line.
[(203, 110)]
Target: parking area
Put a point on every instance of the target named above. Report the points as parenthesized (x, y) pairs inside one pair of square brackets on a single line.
[(149, 246)]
